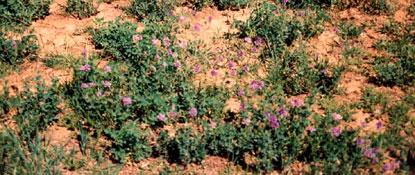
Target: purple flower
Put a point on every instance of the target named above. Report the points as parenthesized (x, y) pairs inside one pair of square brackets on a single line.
[(173, 114), (14, 44), (379, 125), (311, 129), (300, 13), (254, 50), (282, 112), (246, 69), (194, 12), (241, 92), (100, 94), (181, 18), (363, 124), (183, 44), (258, 41), (242, 107), (316, 54), (266, 113), (284, 2), (126, 101), (177, 64), (107, 68), (220, 59), (137, 37), (335, 131), (248, 40), (210, 19), (230, 65), (360, 141), (240, 53), (196, 27), (155, 41), (273, 122), (174, 55), (213, 73), (161, 117), (213, 124), (196, 69), (336, 116), (107, 84), (277, 11), (193, 112), (164, 64), (84, 85), (171, 13), (254, 85), (233, 72), (169, 52), (92, 84), (246, 121), (386, 167), (85, 67), (370, 152), (298, 102), (158, 56), (84, 52), (325, 71), (335, 30)]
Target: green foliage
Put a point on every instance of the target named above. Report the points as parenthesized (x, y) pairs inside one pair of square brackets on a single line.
[(36, 110), (231, 4), (337, 153), (27, 156), (279, 30), (349, 30), (186, 147), (81, 8), (376, 7), (129, 141), (14, 51), (297, 75), (150, 10), (17, 15), (200, 4), (371, 99)]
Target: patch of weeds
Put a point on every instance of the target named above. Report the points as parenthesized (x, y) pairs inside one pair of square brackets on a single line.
[(186, 147), (17, 15), (36, 111), (59, 61), (349, 30), (14, 51), (151, 10), (297, 74), (129, 141), (377, 7), (81, 8), (371, 99), (231, 4), (279, 31), (21, 155)]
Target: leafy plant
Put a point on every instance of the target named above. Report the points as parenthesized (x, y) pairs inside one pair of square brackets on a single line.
[(17, 15), (150, 10), (81, 8), (14, 51), (186, 147), (130, 141)]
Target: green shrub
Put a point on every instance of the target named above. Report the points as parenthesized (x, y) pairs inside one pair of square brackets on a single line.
[(232, 4), (36, 111), (296, 76), (129, 141), (17, 15), (281, 30), (350, 30), (81, 8), (186, 147), (28, 156), (14, 51), (150, 10), (376, 7)]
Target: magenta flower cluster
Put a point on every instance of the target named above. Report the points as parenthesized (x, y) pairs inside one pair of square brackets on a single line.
[(273, 122)]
